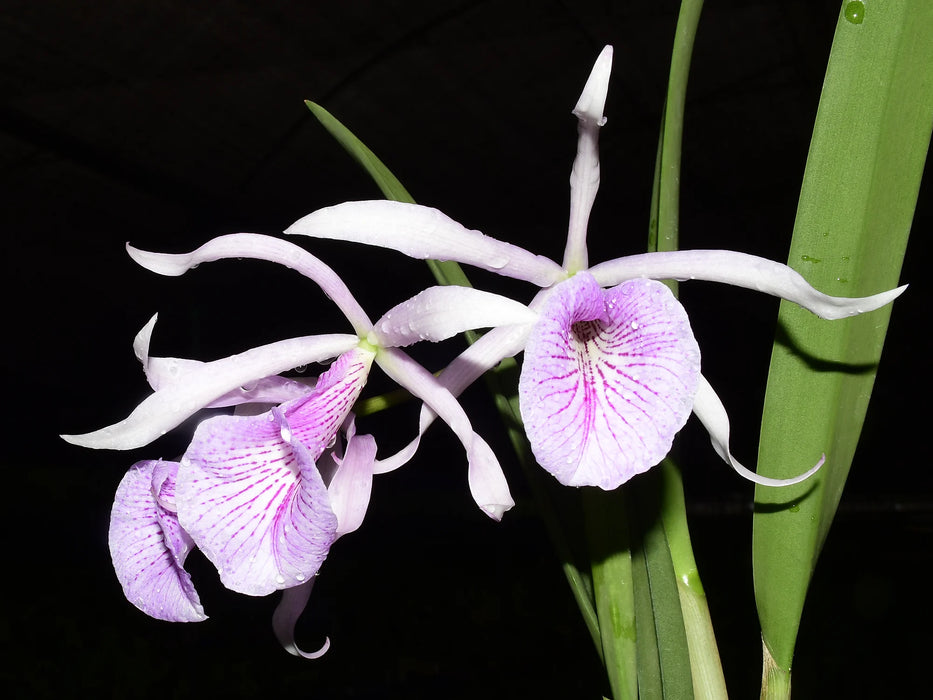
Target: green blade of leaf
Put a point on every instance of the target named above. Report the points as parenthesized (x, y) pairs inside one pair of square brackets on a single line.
[(607, 534), (668, 639), (863, 173), (444, 271)]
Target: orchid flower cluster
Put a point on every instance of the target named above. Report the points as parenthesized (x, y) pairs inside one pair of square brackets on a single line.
[(610, 374)]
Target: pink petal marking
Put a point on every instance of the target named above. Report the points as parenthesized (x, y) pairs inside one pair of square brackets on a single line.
[(608, 379), (149, 548), (249, 492)]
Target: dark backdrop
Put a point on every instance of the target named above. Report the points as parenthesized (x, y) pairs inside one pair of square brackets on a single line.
[(166, 123)]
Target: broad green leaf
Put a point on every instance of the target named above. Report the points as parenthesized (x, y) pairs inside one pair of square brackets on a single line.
[(862, 176)]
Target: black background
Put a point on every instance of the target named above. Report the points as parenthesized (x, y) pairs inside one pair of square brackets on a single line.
[(167, 123)]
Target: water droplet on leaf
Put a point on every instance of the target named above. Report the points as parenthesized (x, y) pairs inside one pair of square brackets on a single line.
[(854, 11)]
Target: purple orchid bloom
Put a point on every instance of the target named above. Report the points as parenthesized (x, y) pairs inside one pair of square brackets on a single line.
[(611, 369), (265, 492)]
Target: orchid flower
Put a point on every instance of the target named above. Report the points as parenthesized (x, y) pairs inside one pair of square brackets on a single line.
[(264, 495), (611, 370)]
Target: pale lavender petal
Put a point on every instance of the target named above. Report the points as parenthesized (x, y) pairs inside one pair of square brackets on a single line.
[(421, 232), (260, 247), (740, 270), (293, 603), (249, 493), (148, 547), (712, 414), (607, 381), (584, 178), (197, 385), (240, 488), (438, 313), (485, 475), (352, 483)]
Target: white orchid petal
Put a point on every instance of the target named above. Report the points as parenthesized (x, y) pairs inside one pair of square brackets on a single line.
[(712, 414), (260, 247), (204, 383), (740, 270), (466, 368), (584, 178), (487, 483), (421, 232), (438, 313)]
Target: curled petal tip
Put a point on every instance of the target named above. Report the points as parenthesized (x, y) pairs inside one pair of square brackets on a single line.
[(592, 102), (295, 651), (496, 510), (854, 307)]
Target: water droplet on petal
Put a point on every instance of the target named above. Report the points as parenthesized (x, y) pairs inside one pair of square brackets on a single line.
[(280, 579), (299, 577)]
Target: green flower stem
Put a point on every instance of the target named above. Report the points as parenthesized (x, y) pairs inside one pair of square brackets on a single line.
[(607, 533), (705, 665)]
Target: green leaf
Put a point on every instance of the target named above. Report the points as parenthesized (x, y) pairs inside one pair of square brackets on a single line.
[(607, 534), (660, 622), (445, 272), (863, 172)]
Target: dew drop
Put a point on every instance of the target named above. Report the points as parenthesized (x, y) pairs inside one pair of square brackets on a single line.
[(301, 369), (634, 325), (854, 11), (796, 507), (808, 258), (299, 577), (498, 263), (280, 579)]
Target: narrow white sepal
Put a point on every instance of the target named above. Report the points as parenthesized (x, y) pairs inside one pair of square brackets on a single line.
[(584, 177), (739, 270), (421, 232), (438, 313), (712, 414), (260, 247), (485, 471), (199, 384)]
